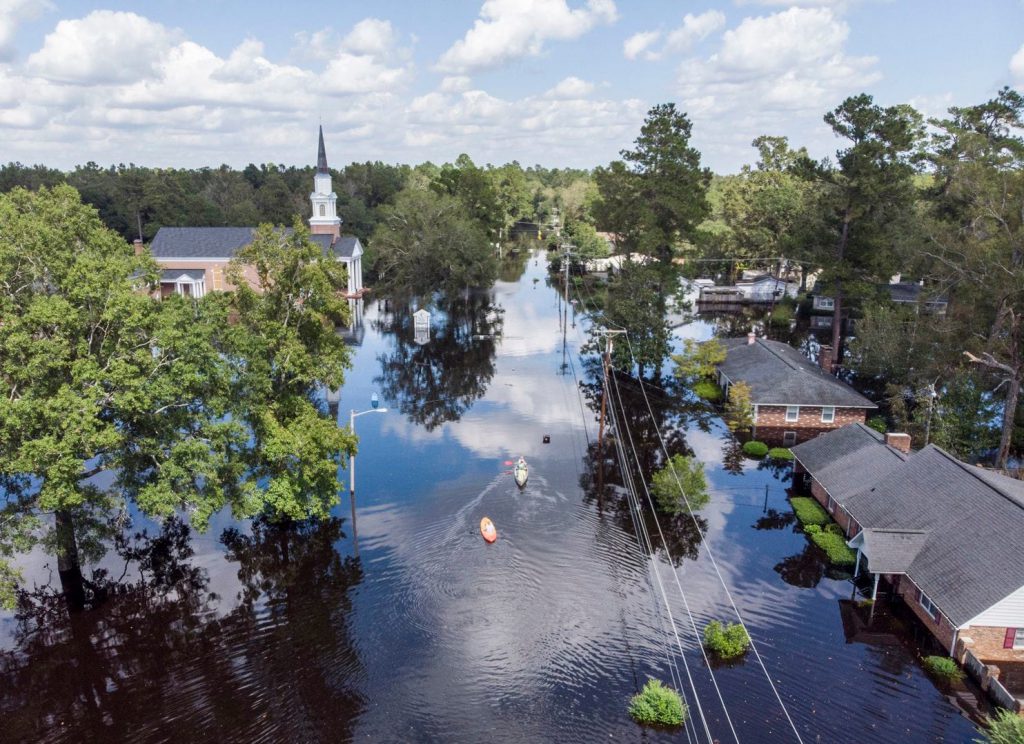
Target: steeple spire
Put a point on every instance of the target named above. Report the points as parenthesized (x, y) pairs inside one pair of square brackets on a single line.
[(321, 155)]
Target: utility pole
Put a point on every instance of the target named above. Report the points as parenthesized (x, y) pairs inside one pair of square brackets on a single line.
[(606, 362)]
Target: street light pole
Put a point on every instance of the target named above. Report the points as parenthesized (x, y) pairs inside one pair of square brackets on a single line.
[(352, 466)]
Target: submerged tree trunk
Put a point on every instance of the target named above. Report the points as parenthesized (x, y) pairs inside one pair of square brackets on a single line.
[(68, 566)]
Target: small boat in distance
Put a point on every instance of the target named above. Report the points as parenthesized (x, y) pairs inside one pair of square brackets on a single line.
[(521, 472), (487, 530)]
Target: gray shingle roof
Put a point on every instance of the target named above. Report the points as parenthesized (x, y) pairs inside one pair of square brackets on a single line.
[(911, 292), (200, 242), (170, 275), (778, 374), (892, 551), (224, 242), (848, 459), (975, 520)]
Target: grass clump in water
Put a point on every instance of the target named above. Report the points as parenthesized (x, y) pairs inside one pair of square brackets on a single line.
[(726, 641), (1005, 727), (809, 511), (707, 390), (780, 453), (835, 547), (943, 667), (658, 705), (754, 448)]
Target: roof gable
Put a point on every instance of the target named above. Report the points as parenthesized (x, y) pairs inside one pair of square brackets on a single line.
[(847, 459)]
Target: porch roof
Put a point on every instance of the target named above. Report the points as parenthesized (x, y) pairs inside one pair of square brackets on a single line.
[(890, 551)]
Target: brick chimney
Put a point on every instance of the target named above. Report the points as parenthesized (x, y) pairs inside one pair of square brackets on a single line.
[(138, 246), (825, 357), (751, 338), (898, 440)]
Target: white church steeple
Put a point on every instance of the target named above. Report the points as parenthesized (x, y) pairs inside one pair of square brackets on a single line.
[(325, 220)]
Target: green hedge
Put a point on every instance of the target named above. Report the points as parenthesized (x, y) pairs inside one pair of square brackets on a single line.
[(943, 667), (754, 448), (1004, 727), (839, 553), (657, 704), (726, 641), (780, 453), (809, 511), (707, 390)]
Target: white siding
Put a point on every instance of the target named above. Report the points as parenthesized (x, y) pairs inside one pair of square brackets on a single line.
[(1006, 613)]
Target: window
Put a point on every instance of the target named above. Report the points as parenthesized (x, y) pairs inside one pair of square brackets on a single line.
[(825, 303), (828, 414), (792, 413), (323, 210), (788, 438), (1018, 638), (929, 608)]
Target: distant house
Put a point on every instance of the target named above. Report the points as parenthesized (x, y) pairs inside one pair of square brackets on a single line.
[(912, 294), (194, 259), (794, 400), (946, 537), (757, 289)]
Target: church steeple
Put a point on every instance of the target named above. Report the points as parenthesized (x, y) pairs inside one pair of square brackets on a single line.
[(325, 219), (321, 155)]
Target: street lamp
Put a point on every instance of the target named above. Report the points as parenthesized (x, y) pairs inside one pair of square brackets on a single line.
[(374, 402)]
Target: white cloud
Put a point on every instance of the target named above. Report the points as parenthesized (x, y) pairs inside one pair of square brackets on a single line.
[(571, 87), (372, 37), (695, 28), (511, 29), (455, 84), (12, 14), (104, 47), (1017, 65), (639, 43)]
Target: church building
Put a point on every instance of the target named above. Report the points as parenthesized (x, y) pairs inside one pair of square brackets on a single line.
[(194, 259)]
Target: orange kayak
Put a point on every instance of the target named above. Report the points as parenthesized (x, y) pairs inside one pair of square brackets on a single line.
[(487, 530)]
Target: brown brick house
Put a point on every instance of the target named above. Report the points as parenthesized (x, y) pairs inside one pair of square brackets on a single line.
[(946, 537), (794, 400)]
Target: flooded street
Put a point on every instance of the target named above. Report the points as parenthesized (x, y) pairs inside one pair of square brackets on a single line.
[(251, 632)]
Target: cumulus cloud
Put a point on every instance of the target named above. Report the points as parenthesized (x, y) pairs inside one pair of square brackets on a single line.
[(694, 28), (1017, 65), (511, 29), (571, 87), (372, 37), (104, 47), (12, 14)]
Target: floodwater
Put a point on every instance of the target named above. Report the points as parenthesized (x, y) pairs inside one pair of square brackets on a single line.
[(251, 632)]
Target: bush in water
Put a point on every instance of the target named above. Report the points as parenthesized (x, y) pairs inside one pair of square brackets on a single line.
[(657, 704), (726, 641), (754, 448)]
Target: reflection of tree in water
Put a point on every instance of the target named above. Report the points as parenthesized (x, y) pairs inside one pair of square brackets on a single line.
[(439, 381), (155, 656), (804, 569), (773, 519), (733, 458), (512, 265)]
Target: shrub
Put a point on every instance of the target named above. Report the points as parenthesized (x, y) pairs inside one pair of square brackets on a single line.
[(707, 390), (657, 704), (780, 453), (809, 511), (680, 486), (942, 667), (812, 529), (835, 547), (755, 449), (878, 424), (1005, 727), (833, 529), (782, 315), (727, 642)]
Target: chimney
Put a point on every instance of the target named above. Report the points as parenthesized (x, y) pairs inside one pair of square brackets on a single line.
[(899, 441), (825, 357), (138, 246), (751, 338)]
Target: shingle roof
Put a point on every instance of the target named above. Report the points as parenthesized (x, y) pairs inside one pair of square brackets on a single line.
[(224, 242), (321, 154), (200, 242), (975, 520), (911, 292), (170, 275), (848, 459), (778, 374), (892, 551)]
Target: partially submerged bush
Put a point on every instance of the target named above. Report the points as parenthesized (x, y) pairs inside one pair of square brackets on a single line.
[(839, 553), (809, 511), (726, 641), (780, 453), (754, 448), (1005, 727), (943, 667), (707, 390), (680, 486), (833, 529), (658, 705)]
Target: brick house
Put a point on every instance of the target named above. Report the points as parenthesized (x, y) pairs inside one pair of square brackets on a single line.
[(793, 399), (945, 537), (194, 259)]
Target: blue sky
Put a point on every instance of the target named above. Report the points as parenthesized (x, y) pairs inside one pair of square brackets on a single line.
[(556, 82)]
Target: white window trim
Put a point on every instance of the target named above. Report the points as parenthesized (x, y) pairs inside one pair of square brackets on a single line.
[(1018, 638), (928, 606), (826, 303), (831, 417), (796, 414)]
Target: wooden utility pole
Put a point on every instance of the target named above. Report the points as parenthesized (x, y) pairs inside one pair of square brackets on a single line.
[(606, 363)]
